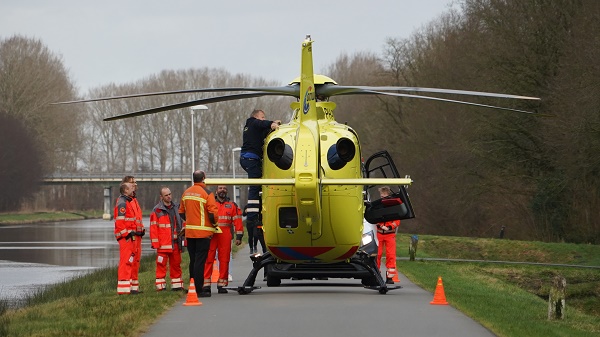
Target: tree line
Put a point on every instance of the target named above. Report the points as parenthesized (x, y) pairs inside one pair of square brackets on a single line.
[(476, 170)]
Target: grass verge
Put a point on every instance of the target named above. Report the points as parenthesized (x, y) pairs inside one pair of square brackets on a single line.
[(24, 218), (89, 306), (510, 300)]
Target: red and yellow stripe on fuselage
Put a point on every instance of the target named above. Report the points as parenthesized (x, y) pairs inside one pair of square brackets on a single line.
[(313, 254)]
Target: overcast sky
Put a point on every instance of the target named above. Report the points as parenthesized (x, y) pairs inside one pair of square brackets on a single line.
[(123, 41)]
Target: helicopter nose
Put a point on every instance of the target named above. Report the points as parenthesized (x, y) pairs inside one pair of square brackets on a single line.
[(340, 153), (280, 153)]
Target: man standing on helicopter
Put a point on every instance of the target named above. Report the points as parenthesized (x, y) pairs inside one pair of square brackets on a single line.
[(255, 131)]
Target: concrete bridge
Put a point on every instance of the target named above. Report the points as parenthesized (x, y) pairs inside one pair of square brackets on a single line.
[(106, 178)]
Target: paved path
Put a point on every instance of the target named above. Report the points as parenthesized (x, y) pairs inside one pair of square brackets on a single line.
[(326, 308)]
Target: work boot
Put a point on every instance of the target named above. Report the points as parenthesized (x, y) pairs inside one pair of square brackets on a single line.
[(205, 292), (389, 281), (221, 290)]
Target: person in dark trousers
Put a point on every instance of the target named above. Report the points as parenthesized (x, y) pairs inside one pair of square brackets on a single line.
[(255, 131), (255, 233), (199, 210)]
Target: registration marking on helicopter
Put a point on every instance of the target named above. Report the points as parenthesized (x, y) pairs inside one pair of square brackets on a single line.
[(308, 96)]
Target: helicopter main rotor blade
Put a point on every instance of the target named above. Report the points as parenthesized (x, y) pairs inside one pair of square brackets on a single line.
[(190, 104), (287, 90), (332, 90), (371, 92)]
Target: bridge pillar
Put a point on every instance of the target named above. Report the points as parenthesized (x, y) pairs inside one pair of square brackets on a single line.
[(107, 202)]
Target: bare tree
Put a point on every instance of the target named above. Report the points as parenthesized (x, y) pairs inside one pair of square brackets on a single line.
[(31, 77), (162, 142), (20, 163)]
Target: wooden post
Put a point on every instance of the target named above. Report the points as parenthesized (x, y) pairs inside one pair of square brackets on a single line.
[(412, 249), (556, 299)]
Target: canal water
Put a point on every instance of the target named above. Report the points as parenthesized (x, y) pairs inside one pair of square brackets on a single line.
[(35, 255)]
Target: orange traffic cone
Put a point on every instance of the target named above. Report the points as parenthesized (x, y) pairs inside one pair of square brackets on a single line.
[(192, 297), (215, 274), (439, 297)]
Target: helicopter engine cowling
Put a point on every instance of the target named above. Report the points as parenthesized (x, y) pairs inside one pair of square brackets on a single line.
[(280, 153), (340, 153)]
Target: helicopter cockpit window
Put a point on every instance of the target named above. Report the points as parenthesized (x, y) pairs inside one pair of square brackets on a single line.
[(288, 218)]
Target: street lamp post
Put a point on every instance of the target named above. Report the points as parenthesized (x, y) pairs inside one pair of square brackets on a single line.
[(194, 108), (233, 168)]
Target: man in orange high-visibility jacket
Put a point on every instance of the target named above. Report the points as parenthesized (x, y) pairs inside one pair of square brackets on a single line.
[(199, 210), (230, 218), (125, 235), (139, 232), (165, 225), (386, 235)]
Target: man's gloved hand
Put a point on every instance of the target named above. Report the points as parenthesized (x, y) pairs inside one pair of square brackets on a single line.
[(129, 236)]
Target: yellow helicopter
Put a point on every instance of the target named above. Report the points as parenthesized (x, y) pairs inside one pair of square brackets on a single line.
[(316, 200)]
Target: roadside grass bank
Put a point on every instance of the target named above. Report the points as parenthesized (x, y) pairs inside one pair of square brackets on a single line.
[(89, 306), (36, 217), (508, 299)]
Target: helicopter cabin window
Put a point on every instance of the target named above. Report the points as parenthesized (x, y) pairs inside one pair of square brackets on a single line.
[(288, 217)]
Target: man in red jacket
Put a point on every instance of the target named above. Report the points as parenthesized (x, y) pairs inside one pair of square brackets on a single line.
[(165, 226), (140, 231), (386, 234), (229, 219), (125, 215)]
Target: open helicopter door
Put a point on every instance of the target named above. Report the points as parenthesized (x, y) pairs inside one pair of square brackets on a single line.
[(394, 207)]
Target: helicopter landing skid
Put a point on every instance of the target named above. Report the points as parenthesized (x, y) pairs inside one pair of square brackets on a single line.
[(383, 290), (363, 259), (259, 261)]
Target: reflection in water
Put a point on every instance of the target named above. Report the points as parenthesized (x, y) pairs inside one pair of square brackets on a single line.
[(33, 255)]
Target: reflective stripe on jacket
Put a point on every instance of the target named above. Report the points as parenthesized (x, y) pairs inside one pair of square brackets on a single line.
[(230, 214), (125, 217), (199, 207), (164, 233)]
